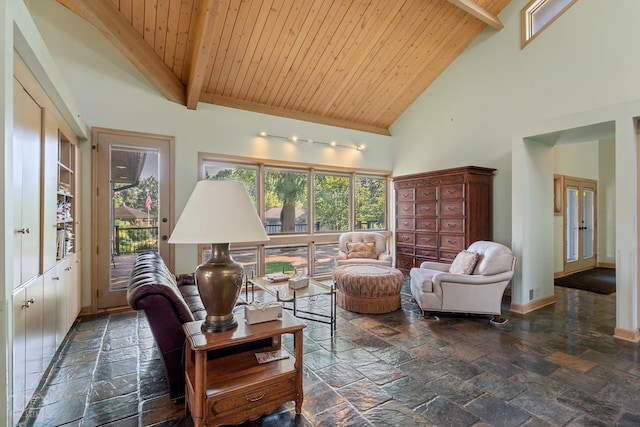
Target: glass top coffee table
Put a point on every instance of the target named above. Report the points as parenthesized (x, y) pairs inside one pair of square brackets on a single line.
[(290, 299)]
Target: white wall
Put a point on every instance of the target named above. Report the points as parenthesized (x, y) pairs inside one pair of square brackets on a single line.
[(580, 71), (111, 93)]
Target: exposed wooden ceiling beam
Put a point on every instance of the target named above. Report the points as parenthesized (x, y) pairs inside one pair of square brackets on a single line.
[(298, 115), (205, 24), (473, 9), (104, 15)]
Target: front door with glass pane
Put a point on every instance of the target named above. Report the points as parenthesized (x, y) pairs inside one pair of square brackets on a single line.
[(580, 224), (134, 209)]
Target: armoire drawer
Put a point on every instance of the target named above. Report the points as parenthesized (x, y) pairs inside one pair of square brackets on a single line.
[(426, 209), (453, 191), (429, 240), (405, 238), (406, 195), (406, 224), (405, 250), (426, 224), (425, 193), (452, 208), (405, 209), (452, 242), (452, 225)]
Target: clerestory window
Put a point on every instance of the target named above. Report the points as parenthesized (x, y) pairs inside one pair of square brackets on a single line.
[(539, 14)]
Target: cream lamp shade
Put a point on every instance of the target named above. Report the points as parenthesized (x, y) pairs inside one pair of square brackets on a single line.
[(219, 212)]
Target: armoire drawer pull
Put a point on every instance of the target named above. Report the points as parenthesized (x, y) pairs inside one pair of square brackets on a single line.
[(451, 208), (451, 225), (452, 242), (405, 223), (451, 191)]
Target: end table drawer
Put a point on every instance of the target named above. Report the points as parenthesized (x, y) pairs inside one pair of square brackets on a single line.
[(251, 397)]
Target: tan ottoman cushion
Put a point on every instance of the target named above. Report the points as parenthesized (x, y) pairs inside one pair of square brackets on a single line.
[(368, 288)]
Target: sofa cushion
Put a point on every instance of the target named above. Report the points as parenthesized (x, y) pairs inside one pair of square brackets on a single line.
[(464, 263), (361, 250)]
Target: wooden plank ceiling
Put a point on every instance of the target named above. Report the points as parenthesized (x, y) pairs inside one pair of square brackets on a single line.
[(351, 63)]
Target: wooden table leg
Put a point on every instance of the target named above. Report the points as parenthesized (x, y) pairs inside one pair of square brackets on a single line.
[(197, 409), (297, 342)]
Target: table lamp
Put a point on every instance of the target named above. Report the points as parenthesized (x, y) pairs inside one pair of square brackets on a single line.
[(219, 213)]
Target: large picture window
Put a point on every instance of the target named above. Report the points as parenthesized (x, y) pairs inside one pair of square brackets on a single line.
[(285, 206), (304, 210), (331, 202)]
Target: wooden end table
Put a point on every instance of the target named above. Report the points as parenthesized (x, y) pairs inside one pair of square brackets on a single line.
[(236, 388)]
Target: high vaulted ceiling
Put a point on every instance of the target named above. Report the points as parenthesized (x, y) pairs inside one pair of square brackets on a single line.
[(351, 63)]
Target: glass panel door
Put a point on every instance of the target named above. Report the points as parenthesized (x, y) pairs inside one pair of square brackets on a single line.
[(580, 224), (134, 210)]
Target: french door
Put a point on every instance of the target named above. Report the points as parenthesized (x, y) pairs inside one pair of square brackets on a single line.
[(580, 224), (133, 202)]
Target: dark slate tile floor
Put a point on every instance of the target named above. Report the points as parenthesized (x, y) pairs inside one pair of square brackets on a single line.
[(558, 366)]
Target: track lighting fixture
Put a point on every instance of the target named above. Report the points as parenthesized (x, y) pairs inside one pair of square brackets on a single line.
[(309, 141)]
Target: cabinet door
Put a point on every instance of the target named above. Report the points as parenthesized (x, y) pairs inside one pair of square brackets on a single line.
[(35, 309), (49, 338), (62, 301), (74, 271), (26, 191), (19, 353), (49, 193)]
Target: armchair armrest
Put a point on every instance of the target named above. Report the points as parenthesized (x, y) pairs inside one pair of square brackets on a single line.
[(471, 279), (385, 257), (432, 265)]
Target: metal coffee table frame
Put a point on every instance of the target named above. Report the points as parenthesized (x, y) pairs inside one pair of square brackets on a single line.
[(289, 298)]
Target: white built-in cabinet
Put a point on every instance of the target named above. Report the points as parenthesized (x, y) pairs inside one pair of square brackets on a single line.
[(46, 213)]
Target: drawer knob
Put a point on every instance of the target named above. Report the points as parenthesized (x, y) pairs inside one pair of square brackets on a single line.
[(254, 397)]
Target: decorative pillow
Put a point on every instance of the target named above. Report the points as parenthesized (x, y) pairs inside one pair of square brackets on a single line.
[(464, 263), (361, 250)]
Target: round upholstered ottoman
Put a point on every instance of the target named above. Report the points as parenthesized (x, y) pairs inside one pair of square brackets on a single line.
[(368, 288)]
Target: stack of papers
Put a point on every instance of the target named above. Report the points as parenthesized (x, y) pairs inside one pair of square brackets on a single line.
[(277, 277), (271, 356)]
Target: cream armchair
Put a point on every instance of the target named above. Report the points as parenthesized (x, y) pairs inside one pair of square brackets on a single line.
[(436, 288), (363, 247)]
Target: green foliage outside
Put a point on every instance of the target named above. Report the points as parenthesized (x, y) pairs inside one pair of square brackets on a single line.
[(287, 189), (279, 267)]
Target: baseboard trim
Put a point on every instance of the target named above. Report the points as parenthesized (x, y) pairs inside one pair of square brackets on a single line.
[(533, 305), (606, 265), (627, 334)]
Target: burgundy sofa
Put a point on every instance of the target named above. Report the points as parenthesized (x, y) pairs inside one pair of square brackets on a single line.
[(168, 301)]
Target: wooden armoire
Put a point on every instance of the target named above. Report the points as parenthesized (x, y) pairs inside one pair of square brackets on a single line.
[(440, 213)]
